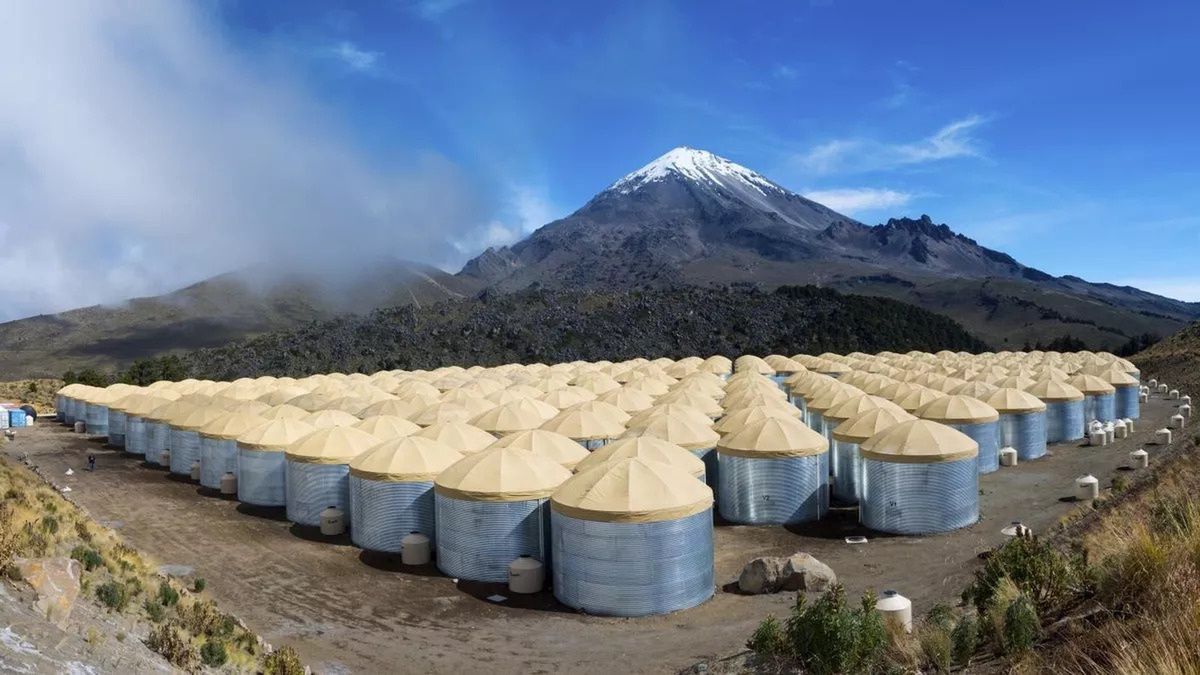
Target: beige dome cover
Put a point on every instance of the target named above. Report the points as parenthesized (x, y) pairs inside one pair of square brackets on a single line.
[(285, 411), (606, 409), (386, 427), (632, 491), (919, 442), (229, 425), (774, 437), (332, 445), (409, 459), (517, 415), (977, 388), (444, 411), (275, 434), (628, 400), (584, 425), (168, 411), (195, 418), (680, 430), (138, 405), (458, 435), (681, 410), (1119, 378), (1054, 391), (868, 423), (695, 399), (917, 398), (501, 475), (324, 419), (565, 397), (553, 446), (1091, 385), (832, 396), (644, 447), (1011, 400), (853, 406), (958, 409), (741, 417), (395, 407)]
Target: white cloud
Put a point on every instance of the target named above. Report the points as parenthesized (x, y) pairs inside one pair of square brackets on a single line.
[(354, 57), (527, 208), (853, 155), (1180, 288), (434, 9), (144, 152), (784, 72), (851, 201)]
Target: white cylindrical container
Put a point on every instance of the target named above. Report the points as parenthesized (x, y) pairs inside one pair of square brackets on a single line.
[(1008, 456), (1185, 400), (1144, 397), (164, 458), (1139, 459), (1173, 394), (80, 427), (1120, 430), (896, 611), (229, 484), (1177, 421), (1163, 389), (333, 522), (1185, 410), (1016, 528), (1128, 425), (1098, 438), (195, 473), (1163, 436), (1153, 383), (415, 549), (526, 575), (1087, 488), (1109, 433)]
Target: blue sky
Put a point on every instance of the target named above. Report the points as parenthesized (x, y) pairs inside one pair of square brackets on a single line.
[(1062, 133)]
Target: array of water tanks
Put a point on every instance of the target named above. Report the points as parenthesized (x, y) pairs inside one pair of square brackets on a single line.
[(606, 475)]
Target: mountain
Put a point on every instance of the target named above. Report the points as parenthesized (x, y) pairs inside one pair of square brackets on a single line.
[(213, 312), (550, 326), (1175, 360), (691, 217)]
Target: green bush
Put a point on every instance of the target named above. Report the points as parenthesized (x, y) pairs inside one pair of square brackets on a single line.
[(166, 640), (965, 639), (49, 524), (768, 639), (198, 585), (1021, 626), (826, 636), (201, 618), (936, 645), (1048, 578), (212, 654), (155, 611), (88, 557), (283, 661), (168, 596), (113, 595)]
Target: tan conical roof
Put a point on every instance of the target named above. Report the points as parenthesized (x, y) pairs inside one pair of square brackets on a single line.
[(774, 437), (166, 412), (139, 405), (517, 415), (868, 423), (606, 409), (444, 411), (230, 424), (553, 446), (629, 400), (501, 475), (407, 459), (632, 491), (275, 434), (1090, 384), (323, 419), (694, 399), (194, 419), (285, 411), (645, 447), (917, 398), (678, 429), (919, 442), (1008, 400), (584, 425), (458, 435), (958, 410), (742, 416), (395, 407), (565, 397), (387, 427), (331, 445), (977, 388), (1054, 391)]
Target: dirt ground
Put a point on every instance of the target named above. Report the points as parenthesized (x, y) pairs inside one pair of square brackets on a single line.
[(346, 611)]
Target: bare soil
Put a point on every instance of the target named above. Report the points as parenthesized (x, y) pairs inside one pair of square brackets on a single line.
[(345, 610)]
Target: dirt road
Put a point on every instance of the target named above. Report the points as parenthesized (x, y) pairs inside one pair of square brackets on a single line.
[(348, 612)]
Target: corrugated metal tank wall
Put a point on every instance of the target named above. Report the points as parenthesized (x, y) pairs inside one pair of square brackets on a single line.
[(902, 498)]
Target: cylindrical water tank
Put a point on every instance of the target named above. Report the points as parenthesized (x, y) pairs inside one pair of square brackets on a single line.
[(686, 432), (1064, 410), (183, 433), (1127, 394), (318, 472), (644, 447), (157, 428), (549, 444), (1022, 421), (391, 492), (824, 400), (118, 420), (96, 411), (490, 508), (919, 477), (1099, 397), (896, 611), (261, 464), (773, 472), (1087, 488), (136, 438), (849, 408), (632, 538), (218, 445), (845, 463), (974, 418)]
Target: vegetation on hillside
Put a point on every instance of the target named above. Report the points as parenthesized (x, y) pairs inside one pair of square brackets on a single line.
[(186, 628), (553, 326), (37, 393), (1175, 359)]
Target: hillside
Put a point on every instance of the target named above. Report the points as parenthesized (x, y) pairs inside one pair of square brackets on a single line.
[(208, 314), (553, 326), (1175, 360), (690, 217)]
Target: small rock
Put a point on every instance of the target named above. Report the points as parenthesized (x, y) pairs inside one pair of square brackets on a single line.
[(56, 581), (761, 575), (798, 572)]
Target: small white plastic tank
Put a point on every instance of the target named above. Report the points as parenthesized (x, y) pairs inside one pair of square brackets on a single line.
[(1139, 459), (526, 575), (415, 549), (229, 484), (1008, 456), (1087, 488), (1120, 430), (1177, 421), (1163, 436), (896, 610), (1098, 438), (195, 471), (333, 522)]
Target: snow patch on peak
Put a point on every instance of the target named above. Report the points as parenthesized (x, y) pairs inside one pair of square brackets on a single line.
[(699, 166)]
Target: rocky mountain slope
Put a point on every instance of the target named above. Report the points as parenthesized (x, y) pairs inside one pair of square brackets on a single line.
[(210, 313), (1175, 360), (690, 217), (542, 325)]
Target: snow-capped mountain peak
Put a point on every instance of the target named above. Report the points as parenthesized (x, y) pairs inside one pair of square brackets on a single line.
[(699, 166)]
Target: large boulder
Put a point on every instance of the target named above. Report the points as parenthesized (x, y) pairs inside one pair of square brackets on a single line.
[(56, 581), (798, 572)]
